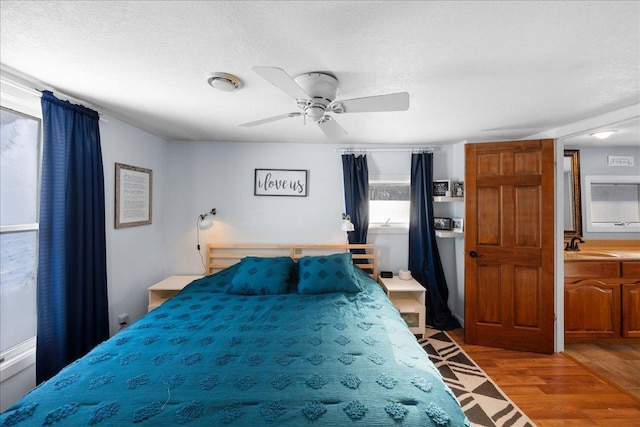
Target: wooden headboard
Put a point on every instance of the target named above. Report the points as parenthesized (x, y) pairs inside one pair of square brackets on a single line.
[(223, 255)]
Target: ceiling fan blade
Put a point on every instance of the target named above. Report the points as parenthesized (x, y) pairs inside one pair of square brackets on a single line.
[(331, 128), (280, 79), (391, 102), (269, 119)]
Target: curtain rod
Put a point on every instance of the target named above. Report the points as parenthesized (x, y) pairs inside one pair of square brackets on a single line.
[(25, 84), (427, 149)]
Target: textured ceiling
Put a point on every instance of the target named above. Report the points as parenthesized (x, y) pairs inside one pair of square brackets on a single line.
[(475, 71)]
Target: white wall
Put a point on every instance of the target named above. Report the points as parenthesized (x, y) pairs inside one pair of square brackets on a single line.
[(205, 175), (135, 255), (456, 286)]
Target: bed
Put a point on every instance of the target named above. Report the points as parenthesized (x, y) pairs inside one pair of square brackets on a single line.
[(233, 350)]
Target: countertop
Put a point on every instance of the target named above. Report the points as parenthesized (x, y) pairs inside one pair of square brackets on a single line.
[(605, 250), (602, 255)]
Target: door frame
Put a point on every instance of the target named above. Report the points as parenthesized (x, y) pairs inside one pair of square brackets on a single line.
[(560, 134), (559, 249)]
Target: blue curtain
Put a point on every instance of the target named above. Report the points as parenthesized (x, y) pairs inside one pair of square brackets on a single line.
[(356, 195), (72, 272), (424, 258)]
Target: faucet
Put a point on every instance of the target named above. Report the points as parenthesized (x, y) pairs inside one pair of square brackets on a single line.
[(573, 245)]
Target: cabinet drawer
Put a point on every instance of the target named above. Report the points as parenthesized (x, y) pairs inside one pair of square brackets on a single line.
[(591, 269), (631, 269)]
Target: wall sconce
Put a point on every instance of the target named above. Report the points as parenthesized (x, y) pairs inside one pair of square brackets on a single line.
[(204, 222), (347, 225)]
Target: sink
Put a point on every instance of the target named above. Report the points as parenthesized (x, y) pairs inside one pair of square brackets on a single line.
[(580, 254)]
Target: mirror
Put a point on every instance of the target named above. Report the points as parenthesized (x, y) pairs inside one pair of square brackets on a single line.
[(572, 196)]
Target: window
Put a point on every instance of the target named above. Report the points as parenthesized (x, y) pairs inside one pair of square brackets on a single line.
[(389, 203), (613, 203), (19, 174)]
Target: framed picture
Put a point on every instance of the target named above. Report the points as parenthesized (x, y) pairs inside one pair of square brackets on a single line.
[(280, 182), (442, 223), (458, 189), (440, 187), (134, 191), (457, 225)]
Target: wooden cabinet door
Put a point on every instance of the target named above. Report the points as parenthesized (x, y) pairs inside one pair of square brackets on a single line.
[(631, 310), (509, 245), (591, 309)]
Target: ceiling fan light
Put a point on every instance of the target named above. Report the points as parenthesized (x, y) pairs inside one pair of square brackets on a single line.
[(224, 82), (315, 113), (603, 134), (315, 94)]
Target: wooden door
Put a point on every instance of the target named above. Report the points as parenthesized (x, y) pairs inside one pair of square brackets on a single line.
[(509, 245)]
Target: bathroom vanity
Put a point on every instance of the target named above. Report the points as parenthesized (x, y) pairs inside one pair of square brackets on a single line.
[(602, 290)]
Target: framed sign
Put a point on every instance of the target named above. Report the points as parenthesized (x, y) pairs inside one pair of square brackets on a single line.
[(134, 189), (280, 182)]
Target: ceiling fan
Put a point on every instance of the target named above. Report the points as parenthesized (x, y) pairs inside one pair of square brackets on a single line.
[(315, 95)]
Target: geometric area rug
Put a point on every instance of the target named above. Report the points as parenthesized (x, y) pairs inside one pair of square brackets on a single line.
[(482, 401)]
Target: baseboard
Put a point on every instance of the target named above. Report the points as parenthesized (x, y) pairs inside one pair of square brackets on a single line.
[(459, 319)]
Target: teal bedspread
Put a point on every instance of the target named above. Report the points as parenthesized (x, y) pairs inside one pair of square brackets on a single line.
[(210, 358)]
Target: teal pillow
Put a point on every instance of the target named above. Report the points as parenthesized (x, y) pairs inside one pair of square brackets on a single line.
[(326, 274), (262, 276)]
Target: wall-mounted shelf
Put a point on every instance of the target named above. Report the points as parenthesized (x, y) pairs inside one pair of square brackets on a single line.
[(448, 234), (445, 233), (443, 199)]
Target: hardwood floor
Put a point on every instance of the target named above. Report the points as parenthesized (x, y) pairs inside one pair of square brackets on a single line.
[(617, 362), (554, 390)]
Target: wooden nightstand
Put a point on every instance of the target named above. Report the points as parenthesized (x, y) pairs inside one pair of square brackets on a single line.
[(162, 291), (408, 297)]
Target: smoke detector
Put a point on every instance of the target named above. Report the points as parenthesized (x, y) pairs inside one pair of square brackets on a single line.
[(224, 82)]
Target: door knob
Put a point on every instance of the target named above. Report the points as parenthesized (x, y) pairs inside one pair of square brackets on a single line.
[(474, 254)]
